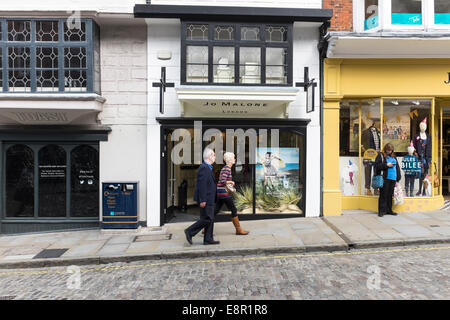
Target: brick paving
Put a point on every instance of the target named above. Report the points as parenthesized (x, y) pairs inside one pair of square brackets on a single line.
[(420, 272)]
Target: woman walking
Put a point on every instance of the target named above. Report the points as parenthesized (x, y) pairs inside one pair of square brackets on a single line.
[(223, 196), (387, 162)]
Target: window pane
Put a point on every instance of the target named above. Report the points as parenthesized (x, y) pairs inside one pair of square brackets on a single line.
[(75, 57), (276, 66), (401, 125), (19, 80), (19, 30), (370, 143), (276, 34), (371, 19), (19, 57), (223, 64), (407, 12), (441, 12), (19, 182), (74, 30), (224, 33), (196, 54), (52, 181), (250, 33), (349, 141), (84, 182), (197, 64), (197, 32), (46, 30), (250, 65)]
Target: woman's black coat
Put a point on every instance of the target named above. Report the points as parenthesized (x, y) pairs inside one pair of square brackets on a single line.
[(380, 165)]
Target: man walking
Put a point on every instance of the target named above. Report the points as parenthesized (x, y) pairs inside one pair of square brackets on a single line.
[(205, 195)]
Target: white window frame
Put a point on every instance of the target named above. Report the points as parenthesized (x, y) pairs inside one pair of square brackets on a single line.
[(385, 18)]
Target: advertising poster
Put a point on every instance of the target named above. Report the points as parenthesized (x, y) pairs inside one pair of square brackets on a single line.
[(278, 180), (396, 129)]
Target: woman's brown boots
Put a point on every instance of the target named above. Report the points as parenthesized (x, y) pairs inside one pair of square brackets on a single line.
[(239, 230)]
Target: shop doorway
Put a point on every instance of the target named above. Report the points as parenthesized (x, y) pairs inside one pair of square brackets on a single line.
[(446, 155), (257, 196)]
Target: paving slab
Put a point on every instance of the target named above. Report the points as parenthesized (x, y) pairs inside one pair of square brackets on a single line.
[(113, 249), (142, 247), (85, 248), (414, 231)]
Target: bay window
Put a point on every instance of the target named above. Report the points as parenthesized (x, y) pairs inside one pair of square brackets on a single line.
[(377, 15), (49, 55), (236, 54)]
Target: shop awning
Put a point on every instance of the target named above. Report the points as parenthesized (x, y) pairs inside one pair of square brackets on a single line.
[(232, 13), (235, 102), (386, 46)]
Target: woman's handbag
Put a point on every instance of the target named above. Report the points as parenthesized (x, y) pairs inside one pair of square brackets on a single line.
[(436, 182), (230, 188), (377, 182), (398, 194)]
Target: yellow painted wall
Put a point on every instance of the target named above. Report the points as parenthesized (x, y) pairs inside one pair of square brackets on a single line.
[(361, 78)]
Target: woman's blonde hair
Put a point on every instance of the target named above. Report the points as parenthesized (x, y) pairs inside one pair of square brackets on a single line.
[(228, 156)]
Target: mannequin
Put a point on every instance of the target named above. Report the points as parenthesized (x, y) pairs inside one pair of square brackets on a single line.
[(422, 144), (411, 167), (349, 177), (370, 140)]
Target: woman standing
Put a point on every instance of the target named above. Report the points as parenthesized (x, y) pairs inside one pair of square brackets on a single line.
[(222, 194), (387, 162)]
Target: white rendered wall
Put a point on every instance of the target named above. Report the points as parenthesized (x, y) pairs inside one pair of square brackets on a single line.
[(112, 6), (306, 54), (248, 3), (124, 85)]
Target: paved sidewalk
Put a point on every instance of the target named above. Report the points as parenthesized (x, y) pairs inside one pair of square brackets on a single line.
[(353, 229)]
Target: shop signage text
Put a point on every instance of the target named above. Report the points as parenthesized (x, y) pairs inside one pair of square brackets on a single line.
[(41, 116), (233, 104)]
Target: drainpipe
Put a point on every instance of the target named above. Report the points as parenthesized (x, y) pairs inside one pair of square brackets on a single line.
[(322, 47)]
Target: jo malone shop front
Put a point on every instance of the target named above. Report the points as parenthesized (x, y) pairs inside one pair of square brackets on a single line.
[(371, 102)]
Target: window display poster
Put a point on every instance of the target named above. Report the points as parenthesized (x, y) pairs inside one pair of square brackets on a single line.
[(396, 129), (278, 180)]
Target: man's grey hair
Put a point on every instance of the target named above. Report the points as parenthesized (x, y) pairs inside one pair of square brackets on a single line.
[(207, 153)]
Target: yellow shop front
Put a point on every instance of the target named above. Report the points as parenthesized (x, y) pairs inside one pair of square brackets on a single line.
[(371, 102)]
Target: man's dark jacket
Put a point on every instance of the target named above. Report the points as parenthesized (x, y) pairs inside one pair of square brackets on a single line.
[(205, 188)]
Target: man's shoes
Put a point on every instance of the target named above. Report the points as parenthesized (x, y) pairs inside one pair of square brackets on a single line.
[(392, 213), (211, 242), (188, 236), (368, 192), (380, 214)]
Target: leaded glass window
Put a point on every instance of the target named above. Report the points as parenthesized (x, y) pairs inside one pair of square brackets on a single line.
[(49, 55), (235, 54)]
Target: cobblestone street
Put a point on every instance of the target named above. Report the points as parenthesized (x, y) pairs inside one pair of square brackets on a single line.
[(390, 273)]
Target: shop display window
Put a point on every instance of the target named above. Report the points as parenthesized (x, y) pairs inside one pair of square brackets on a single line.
[(366, 126)]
